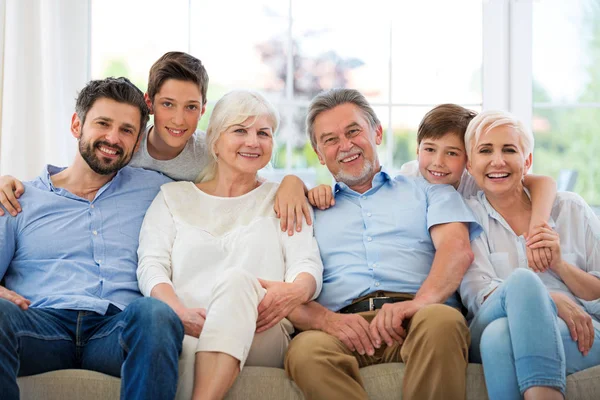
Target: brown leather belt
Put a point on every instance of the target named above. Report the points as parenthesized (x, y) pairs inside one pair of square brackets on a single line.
[(370, 304)]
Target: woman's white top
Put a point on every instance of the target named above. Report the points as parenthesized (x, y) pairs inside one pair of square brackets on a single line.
[(189, 237), (499, 251), (467, 187)]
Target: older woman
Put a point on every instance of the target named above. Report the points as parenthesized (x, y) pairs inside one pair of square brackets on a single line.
[(526, 348), (213, 251)]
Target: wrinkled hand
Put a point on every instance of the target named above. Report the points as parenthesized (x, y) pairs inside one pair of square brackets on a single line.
[(291, 204), (579, 322), (544, 237), (193, 320), (10, 190), (387, 324), (352, 330), (13, 297), (281, 298), (321, 197)]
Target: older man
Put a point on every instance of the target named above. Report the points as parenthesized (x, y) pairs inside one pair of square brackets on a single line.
[(69, 261), (394, 252)]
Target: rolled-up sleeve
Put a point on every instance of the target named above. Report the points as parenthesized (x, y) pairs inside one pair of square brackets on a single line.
[(301, 254), (446, 205), (480, 279), (592, 252), (156, 243)]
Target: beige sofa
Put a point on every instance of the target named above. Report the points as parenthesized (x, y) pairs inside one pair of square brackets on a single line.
[(256, 383)]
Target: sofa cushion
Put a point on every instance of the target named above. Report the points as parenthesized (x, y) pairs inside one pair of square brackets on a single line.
[(382, 382)]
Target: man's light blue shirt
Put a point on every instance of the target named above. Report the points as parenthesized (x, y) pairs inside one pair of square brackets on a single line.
[(380, 240), (66, 252)]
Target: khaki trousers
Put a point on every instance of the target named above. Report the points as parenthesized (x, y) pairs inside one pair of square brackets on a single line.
[(435, 352)]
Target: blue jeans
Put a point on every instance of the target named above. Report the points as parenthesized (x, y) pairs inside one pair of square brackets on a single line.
[(140, 344), (542, 352)]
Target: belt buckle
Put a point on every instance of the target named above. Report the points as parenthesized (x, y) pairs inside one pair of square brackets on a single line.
[(371, 304)]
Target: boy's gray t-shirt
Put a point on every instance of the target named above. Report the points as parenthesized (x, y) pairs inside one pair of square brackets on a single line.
[(185, 167)]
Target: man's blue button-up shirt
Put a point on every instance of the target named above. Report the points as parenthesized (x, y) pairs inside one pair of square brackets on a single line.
[(63, 251), (379, 240)]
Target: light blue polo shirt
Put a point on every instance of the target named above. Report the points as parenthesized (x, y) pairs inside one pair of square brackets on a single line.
[(380, 240)]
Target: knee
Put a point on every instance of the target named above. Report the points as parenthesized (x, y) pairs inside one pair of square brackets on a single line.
[(153, 317), (235, 279), (495, 341), (524, 280)]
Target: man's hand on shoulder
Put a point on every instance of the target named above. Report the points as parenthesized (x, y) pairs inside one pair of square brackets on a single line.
[(13, 297), (350, 329), (387, 326)]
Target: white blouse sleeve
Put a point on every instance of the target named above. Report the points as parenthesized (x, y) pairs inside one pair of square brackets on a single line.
[(592, 253), (156, 242), (480, 279), (301, 254)]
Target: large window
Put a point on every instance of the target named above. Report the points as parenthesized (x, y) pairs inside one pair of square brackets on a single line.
[(406, 57), (566, 93)]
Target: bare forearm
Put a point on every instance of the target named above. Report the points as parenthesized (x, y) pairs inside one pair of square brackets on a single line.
[(580, 283), (447, 270), (308, 316), (165, 293), (306, 284), (543, 193)]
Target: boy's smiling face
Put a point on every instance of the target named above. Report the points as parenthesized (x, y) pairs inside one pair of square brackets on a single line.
[(442, 160)]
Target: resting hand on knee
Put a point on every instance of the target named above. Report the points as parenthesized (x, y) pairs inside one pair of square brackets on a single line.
[(579, 322)]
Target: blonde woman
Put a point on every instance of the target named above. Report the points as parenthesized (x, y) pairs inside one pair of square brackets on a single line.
[(530, 327), (214, 252)]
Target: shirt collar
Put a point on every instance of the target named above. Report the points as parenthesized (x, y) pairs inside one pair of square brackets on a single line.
[(378, 180), (47, 172), (491, 211), (50, 170)]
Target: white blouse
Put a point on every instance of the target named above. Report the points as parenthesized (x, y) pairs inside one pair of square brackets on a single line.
[(189, 237), (498, 250)]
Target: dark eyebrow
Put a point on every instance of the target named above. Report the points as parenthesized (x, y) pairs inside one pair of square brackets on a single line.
[(101, 118), (454, 148), (352, 125), (126, 125)]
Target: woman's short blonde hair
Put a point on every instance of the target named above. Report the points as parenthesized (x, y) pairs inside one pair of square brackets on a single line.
[(488, 120), (232, 109)]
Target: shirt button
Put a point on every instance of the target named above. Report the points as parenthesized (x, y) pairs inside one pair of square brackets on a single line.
[(92, 206), (376, 283), (374, 265), (95, 232), (369, 238), (369, 214), (363, 197), (99, 261)]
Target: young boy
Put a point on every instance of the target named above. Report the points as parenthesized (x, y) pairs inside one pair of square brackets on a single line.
[(442, 158), (176, 96)]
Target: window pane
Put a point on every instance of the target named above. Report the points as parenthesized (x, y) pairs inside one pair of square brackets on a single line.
[(567, 140), (566, 69), (350, 50), (566, 51), (242, 43), (129, 36), (437, 51)]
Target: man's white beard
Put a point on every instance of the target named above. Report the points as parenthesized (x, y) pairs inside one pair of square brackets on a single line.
[(353, 180)]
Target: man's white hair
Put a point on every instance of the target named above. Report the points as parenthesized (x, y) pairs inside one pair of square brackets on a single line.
[(488, 120)]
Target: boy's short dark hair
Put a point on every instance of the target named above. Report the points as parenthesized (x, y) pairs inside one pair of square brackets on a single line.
[(180, 66), (118, 89), (443, 119)]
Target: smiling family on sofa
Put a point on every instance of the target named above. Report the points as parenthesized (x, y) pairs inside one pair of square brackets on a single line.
[(161, 256)]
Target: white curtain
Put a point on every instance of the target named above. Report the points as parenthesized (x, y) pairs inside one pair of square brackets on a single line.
[(44, 61)]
